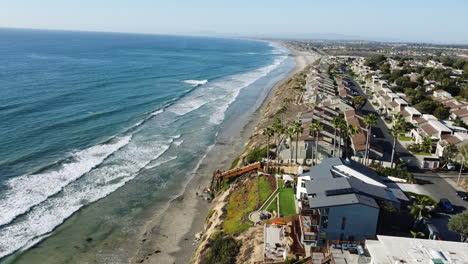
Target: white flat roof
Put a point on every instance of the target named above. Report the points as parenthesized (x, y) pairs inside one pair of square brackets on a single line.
[(400, 101), (387, 90), (390, 250), (412, 110), (439, 126), (349, 171), (429, 117)]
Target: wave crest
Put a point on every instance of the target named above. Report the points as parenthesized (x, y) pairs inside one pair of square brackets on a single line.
[(196, 82)]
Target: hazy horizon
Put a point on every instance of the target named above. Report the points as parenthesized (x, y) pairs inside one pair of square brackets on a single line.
[(397, 21)]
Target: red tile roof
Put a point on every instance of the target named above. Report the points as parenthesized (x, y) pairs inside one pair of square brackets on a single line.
[(430, 130)]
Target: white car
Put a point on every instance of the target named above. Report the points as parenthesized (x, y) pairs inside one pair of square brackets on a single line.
[(451, 166)]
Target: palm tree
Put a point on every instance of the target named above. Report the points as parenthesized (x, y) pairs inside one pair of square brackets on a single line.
[(337, 122), (370, 120), (427, 144), (278, 130), (396, 130), (298, 130), (419, 207), (290, 132), (349, 131), (416, 234), (315, 129), (335, 125), (463, 150), (268, 132)]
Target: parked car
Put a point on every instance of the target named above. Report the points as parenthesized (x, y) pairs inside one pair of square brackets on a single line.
[(446, 205), (451, 166), (463, 195)]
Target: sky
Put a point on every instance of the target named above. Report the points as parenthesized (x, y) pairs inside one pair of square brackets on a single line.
[(436, 21)]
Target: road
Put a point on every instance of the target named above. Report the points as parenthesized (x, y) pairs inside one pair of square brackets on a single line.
[(432, 184), (380, 131), (436, 186)]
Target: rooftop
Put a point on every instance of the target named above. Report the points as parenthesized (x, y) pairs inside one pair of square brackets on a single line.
[(275, 242), (390, 250)]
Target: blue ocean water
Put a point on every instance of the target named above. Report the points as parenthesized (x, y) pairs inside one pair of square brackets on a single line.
[(84, 114)]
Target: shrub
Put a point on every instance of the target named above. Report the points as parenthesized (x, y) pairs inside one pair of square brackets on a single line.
[(256, 154), (397, 173), (222, 250)]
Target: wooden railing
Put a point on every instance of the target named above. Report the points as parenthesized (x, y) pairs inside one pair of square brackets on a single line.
[(239, 171)]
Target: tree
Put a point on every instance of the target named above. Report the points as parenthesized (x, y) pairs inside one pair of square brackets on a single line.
[(400, 126), (427, 144), (298, 129), (426, 106), (349, 131), (447, 61), (336, 121), (459, 64), (464, 155), (278, 129), (449, 153), (359, 102), (441, 113), (419, 208), (459, 224), (416, 234), (268, 132), (223, 250), (290, 132), (370, 120), (315, 128)]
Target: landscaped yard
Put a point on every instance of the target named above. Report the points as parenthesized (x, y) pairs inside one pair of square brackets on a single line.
[(241, 203), (287, 204), (265, 188), (405, 138), (245, 200), (272, 208)]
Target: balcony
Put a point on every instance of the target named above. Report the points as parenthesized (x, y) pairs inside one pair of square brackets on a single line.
[(310, 227)]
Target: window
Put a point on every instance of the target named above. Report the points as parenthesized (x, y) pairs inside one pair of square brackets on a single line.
[(343, 223), (324, 221)]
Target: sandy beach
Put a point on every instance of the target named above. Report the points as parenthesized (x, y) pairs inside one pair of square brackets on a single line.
[(170, 237)]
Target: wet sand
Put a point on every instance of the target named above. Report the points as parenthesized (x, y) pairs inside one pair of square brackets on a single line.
[(169, 237)]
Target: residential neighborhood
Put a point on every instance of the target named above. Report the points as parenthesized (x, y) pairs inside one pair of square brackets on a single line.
[(362, 159)]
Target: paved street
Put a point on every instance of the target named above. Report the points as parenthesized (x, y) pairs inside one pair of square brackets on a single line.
[(437, 187), (380, 131)]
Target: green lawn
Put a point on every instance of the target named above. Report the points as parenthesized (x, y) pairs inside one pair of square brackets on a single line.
[(405, 138), (422, 153), (287, 205), (272, 206), (264, 189)]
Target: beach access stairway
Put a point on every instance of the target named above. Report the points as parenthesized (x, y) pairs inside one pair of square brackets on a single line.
[(239, 171), (218, 176)]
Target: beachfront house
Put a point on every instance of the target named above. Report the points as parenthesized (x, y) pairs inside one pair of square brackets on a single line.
[(340, 200)]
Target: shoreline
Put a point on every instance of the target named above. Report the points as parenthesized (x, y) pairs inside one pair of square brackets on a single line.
[(169, 237)]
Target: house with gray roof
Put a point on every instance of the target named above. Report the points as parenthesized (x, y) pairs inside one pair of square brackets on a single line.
[(340, 200)]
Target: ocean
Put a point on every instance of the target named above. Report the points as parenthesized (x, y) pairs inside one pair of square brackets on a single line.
[(99, 129)]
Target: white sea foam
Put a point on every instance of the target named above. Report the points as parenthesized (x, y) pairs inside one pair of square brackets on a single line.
[(114, 173), (161, 161), (196, 82), (178, 142), (237, 83), (157, 112), (27, 191), (220, 94)]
